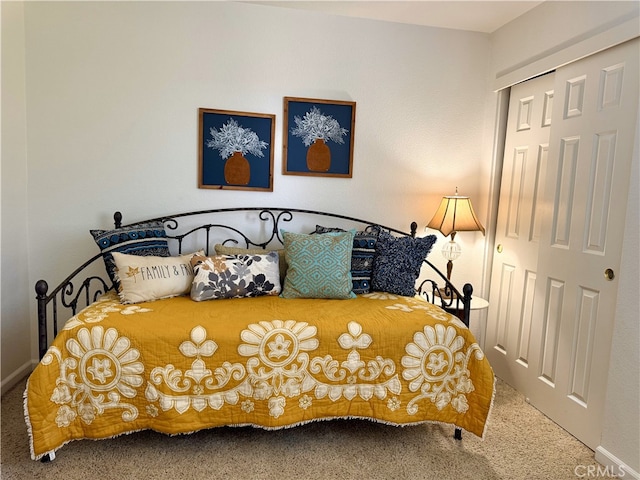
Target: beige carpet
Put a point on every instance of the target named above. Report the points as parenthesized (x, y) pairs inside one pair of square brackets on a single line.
[(521, 443)]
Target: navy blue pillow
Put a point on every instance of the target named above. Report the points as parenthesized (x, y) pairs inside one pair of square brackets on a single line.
[(364, 249), (396, 265), (143, 239)]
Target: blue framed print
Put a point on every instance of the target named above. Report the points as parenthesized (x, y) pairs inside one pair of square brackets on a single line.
[(235, 150), (318, 137)]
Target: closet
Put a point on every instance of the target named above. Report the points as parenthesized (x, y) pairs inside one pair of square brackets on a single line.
[(560, 226)]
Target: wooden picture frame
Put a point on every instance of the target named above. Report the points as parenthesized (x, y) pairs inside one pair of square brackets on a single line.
[(318, 137), (235, 150)]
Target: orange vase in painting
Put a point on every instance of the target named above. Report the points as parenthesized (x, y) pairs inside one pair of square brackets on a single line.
[(319, 156), (237, 170)]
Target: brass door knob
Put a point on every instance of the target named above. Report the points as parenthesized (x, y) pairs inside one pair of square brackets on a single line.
[(499, 248), (609, 274)]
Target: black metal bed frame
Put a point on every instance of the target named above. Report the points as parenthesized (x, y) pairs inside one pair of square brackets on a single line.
[(81, 288)]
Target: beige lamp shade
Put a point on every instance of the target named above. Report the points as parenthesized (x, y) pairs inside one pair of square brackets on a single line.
[(455, 214)]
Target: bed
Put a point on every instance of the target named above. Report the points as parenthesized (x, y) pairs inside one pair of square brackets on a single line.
[(262, 317)]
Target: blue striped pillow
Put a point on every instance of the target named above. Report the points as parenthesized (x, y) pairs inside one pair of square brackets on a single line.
[(364, 250), (140, 239)]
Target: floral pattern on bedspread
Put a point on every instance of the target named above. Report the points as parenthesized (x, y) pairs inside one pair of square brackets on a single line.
[(279, 367), (102, 307), (100, 370), (393, 359)]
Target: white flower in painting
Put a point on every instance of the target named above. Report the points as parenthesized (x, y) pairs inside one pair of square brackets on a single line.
[(232, 137), (315, 125)]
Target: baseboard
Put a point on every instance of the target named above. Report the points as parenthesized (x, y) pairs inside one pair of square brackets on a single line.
[(17, 376), (616, 467)]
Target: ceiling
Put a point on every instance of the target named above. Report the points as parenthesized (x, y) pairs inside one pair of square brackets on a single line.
[(473, 15)]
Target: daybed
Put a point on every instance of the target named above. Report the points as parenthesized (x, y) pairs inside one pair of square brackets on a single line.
[(231, 317)]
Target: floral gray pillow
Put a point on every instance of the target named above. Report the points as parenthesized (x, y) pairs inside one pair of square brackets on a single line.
[(235, 276)]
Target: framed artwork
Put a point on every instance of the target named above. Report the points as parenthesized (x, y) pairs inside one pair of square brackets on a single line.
[(235, 150), (318, 137)]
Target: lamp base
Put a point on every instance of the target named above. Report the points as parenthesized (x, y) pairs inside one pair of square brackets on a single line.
[(451, 250)]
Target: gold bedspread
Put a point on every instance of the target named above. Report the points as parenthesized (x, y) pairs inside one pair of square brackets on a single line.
[(177, 366)]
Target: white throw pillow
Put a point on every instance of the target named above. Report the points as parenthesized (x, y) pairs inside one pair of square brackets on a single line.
[(148, 278)]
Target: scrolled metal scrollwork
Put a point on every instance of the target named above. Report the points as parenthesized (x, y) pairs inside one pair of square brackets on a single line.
[(170, 223), (283, 216), (91, 293)]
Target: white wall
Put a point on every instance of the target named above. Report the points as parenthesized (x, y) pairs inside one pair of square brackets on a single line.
[(621, 430), (112, 93), (16, 293), (556, 33)]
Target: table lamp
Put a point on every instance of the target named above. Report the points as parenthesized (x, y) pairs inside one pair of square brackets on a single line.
[(455, 214)]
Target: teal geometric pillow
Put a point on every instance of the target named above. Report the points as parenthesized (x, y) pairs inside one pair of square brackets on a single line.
[(319, 266)]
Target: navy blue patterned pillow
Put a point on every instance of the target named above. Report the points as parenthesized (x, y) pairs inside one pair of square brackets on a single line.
[(397, 263), (140, 239), (364, 249)]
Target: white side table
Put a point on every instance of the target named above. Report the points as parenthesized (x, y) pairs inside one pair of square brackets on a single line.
[(477, 303)]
